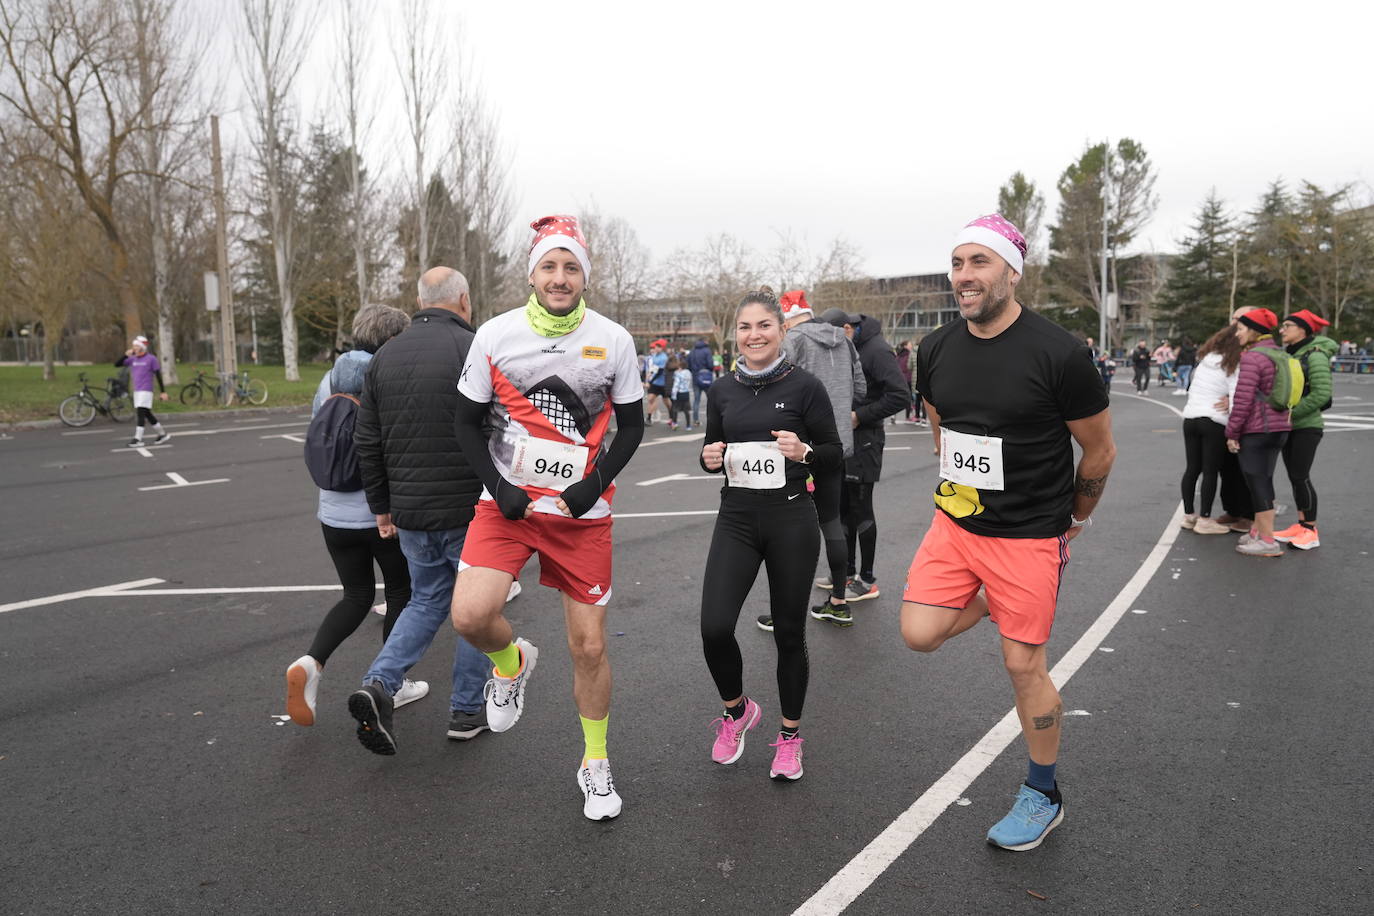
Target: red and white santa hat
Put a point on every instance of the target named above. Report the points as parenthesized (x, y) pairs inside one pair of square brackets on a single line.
[(793, 304), (552, 232), (996, 232), (140, 341)]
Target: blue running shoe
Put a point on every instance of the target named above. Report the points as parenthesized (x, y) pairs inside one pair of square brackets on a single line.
[(1030, 820)]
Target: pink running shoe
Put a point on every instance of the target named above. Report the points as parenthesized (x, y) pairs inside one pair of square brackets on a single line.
[(730, 733), (787, 760)]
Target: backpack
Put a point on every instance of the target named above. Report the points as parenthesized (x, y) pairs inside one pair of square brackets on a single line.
[(1288, 379), (330, 455), (1307, 380), (704, 378)]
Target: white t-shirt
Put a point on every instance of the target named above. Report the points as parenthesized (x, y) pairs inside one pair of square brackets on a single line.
[(1208, 385), (557, 389)]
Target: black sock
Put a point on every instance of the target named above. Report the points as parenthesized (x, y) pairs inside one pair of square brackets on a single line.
[(1310, 526), (789, 732), (737, 712)]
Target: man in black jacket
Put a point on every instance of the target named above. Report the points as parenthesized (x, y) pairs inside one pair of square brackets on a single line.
[(422, 490), (886, 394)]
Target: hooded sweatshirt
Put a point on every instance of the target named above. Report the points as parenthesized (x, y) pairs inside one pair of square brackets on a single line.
[(823, 350), (1315, 355)]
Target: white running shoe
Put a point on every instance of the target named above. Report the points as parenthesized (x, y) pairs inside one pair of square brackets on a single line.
[(302, 686), (506, 695), (600, 801), (514, 590), (379, 608), (410, 692)]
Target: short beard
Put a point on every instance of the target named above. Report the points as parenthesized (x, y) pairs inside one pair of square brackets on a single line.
[(545, 306), (996, 301)]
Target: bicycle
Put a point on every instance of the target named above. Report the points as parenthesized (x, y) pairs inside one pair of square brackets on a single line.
[(198, 388), (80, 409), (254, 391)]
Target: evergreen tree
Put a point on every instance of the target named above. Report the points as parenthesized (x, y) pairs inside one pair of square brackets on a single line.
[(1196, 298)]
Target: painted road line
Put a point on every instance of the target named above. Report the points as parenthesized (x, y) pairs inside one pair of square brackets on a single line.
[(671, 477), (86, 432), (243, 429), (865, 868), (673, 439), (140, 450), (179, 481), (291, 437), (1155, 401), (896, 448), (234, 590), (102, 591), (620, 515)]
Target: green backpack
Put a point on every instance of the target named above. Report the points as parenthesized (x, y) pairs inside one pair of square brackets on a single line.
[(1288, 379)]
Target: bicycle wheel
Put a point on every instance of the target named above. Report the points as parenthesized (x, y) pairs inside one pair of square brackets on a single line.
[(257, 391), (121, 409), (76, 411), (191, 394)]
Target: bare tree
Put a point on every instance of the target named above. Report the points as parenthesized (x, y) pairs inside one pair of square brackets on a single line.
[(275, 46), (418, 54), (357, 116), (620, 260), (719, 274)]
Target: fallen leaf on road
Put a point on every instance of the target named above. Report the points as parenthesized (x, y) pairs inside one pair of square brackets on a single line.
[(1037, 895)]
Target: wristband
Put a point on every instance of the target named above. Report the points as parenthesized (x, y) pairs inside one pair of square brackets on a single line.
[(1076, 523)]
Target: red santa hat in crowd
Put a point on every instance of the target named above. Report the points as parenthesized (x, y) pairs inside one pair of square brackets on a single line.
[(1308, 321), (793, 304), (1261, 320), (552, 232), (996, 232)]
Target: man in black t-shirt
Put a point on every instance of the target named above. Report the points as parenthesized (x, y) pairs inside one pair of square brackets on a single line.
[(1010, 392)]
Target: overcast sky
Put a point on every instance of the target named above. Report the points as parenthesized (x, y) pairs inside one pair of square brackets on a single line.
[(892, 125)]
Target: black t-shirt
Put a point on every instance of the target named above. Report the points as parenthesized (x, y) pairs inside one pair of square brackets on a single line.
[(1021, 386)]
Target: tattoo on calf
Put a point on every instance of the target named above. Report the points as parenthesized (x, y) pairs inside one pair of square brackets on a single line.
[(1090, 487), (1050, 721)]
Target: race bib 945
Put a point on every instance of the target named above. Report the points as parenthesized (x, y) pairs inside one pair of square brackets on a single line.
[(754, 466), (974, 461), (550, 465)]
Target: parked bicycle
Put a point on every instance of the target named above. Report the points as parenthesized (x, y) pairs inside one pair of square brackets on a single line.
[(80, 409), (244, 389), (202, 386)]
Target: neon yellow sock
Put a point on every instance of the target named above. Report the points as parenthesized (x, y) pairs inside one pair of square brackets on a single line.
[(594, 734), (507, 661)]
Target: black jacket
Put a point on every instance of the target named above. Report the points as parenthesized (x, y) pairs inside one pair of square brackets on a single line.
[(887, 391), (411, 463)]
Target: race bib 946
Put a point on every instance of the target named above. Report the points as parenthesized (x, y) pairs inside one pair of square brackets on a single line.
[(550, 465), (974, 461), (754, 466)]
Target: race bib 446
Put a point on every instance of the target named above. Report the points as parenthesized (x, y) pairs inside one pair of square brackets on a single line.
[(754, 466)]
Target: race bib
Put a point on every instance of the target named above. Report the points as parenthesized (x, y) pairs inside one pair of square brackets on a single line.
[(547, 464), (974, 461), (754, 466)]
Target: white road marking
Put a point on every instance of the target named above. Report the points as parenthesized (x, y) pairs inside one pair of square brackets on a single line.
[(1139, 397), (239, 590), (140, 450), (896, 448), (86, 432), (673, 439), (102, 591), (179, 481), (243, 429), (288, 436), (875, 858), (620, 515), (670, 477)]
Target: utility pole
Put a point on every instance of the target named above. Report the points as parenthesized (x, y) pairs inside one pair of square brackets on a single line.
[(229, 362), (1102, 335)]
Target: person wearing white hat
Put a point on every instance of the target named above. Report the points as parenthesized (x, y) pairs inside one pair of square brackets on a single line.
[(143, 369)]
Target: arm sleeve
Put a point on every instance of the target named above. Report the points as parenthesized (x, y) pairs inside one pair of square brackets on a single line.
[(367, 442), (715, 427), (890, 383), (827, 451), (157, 374), (510, 498), (121, 361), (1243, 401), (856, 368), (629, 423)]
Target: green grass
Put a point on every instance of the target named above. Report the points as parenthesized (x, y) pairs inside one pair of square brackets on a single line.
[(24, 395)]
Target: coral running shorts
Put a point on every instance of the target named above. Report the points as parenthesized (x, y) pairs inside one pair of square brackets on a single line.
[(574, 553)]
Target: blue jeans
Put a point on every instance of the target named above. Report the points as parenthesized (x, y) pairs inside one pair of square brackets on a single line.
[(1185, 376), (697, 392), (433, 560)]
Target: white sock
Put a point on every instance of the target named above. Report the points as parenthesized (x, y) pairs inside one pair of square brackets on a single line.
[(157, 428)]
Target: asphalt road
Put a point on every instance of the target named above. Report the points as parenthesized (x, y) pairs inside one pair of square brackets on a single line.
[(1216, 759)]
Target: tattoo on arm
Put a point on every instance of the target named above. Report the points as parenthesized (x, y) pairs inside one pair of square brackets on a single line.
[(1049, 721), (1090, 487)]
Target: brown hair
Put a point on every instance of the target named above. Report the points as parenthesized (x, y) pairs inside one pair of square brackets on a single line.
[(1227, 344), (762, 296)]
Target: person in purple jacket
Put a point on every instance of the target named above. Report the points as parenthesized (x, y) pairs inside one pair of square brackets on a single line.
[(143, 368), (1256, 429)]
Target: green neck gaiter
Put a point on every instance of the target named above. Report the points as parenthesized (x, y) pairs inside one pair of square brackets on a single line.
[(547, 325)]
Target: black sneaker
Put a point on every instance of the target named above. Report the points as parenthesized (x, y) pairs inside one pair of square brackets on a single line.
[(839, 616), (371, 706), (135, 443), (161, 438), (765, 623), (465, 725)]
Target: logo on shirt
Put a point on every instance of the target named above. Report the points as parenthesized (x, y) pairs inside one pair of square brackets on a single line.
[(593, 352), (553, 349), (779, 405)]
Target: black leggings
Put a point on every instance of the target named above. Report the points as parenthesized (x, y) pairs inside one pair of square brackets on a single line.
[(785, 538), (860, 528), (1204, 442), (1298, 454), (353, 550), (829, 485), (1142, 378), (145, 417), (1235, 495), (1259, 455)]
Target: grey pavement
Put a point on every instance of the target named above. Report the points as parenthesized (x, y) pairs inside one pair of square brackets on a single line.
[(1217, 759)]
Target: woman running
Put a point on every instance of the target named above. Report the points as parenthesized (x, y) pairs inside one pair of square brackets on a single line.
[(1298, 333), (351, 536), (768, 426), (1212, 388), (1256, 430)]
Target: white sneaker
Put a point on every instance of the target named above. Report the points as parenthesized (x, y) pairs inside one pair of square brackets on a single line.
[(600, 801), (410, 692), (823, 583), (302, 686), (514, 590), (379, 608), (506, 695)]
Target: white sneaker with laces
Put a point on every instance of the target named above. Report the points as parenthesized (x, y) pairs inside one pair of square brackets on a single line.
[(600, 800), (410, 692), (302, 687), (506, 695)]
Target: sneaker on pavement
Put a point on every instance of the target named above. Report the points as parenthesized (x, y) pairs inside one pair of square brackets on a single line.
[(823, 583), (1208, 526), (600, 802), (1305, 539), (1289, 533), (506, 695), (135, 443), (514, 590), (379, 608), (465, 725), (1030, 820), (302, 686), (1188, 521), (860, 590), (1258, 547), (161, 438), (1243, 525), (787, 759), (765, 623), (839, 616), (410, 692), (729, 744), (371, 706)]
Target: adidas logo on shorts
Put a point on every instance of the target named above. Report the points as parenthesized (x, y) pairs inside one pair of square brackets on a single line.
[(594, 590)]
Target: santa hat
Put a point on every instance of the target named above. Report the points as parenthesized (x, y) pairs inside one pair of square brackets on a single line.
[(553, 232), (1309, 322), (1261, 320), (794, 304), (995, 232), (141, 341)]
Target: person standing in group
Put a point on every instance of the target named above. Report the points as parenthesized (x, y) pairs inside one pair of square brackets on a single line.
[(769, 426), (143, 369), (1184, 363), (1011, 393), (884, 394), (1299, 335), (701, 363), (826, 352), (656, 379), (1213, 385), (681, 382), (422, 492), (537, 395), (904, 356), (1140, 363), (1257, 429), (349, 526)]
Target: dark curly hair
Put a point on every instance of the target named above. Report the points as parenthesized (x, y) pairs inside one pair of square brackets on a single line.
[(763, 296)]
